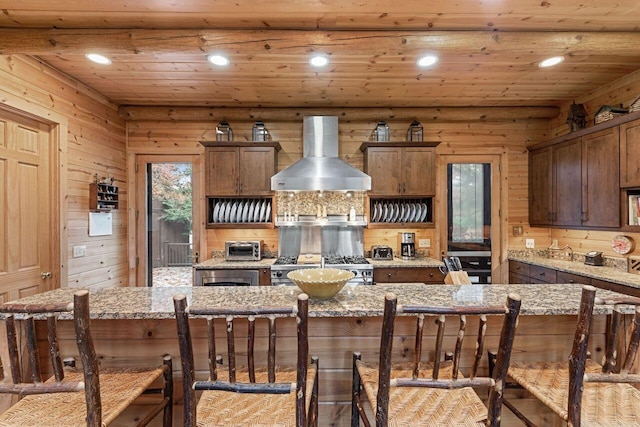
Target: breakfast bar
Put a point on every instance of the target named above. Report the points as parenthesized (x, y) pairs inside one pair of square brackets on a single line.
[(134, 326)]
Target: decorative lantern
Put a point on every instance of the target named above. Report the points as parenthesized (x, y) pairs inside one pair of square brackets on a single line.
[(224, 132), (381, 132), (414, 133), (259, 132)]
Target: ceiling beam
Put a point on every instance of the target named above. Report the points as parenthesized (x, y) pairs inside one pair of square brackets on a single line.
[(439, 114), (189, 41)]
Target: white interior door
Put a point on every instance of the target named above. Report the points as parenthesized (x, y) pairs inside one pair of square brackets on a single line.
[(26, 265)]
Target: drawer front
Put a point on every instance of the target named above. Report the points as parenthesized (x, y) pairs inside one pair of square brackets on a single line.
[(542, 275), (521, 268), (408, 275), (564, 277), (515, 278)]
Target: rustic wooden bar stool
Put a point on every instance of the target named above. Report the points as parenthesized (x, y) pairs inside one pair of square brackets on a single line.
[(246, 395), (88, 396), (583, 392), (433, 393)]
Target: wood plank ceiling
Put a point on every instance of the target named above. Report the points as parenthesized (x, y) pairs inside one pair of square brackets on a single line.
[(489, 50)]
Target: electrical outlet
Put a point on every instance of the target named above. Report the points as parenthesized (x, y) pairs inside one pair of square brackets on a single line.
[(529, 243), (79, 251), (424, 243), (517, 230)]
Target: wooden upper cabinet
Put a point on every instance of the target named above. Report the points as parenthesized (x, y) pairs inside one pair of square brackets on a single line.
[(384, 166), (242, 169), (600, 178), (221, 171), (540, 186), (567, 183), (554, 183), (400, 169), (584, 171), (630, 154)]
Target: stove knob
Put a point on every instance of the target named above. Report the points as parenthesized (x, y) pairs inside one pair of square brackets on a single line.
[(279, 274), (355, 273)]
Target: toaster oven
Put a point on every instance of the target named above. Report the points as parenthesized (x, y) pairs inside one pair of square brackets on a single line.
[(381, 252), (242, 251)]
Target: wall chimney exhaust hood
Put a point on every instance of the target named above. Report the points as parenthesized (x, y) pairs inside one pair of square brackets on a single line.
[(320, 168)]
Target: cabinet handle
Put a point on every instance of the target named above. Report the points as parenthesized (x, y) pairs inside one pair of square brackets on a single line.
[(388, 274), (542, 274), (404, 187), (399, 188)]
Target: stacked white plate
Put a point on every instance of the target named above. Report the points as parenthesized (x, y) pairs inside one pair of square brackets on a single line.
[(398, 211), (240, 211)]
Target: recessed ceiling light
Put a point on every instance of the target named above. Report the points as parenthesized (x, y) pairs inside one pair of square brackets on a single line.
[(218, 60), (427, 60), (550, 62), (98, 59), (319, 61)]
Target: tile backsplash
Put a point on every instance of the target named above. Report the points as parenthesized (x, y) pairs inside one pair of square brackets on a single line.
[(307, 202)]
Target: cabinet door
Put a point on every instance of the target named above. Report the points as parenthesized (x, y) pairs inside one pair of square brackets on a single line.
[(540, 186), (221, 171), (601, 179), (383, 164), (418, 172), (257, 166), (630, 154), (567, 183)]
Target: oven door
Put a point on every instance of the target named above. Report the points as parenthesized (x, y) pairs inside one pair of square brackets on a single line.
[(204, 277)]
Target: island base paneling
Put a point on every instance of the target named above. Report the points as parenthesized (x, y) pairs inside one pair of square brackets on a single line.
[(142, 342)]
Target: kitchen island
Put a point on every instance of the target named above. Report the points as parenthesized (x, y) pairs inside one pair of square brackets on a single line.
[(135, 326)]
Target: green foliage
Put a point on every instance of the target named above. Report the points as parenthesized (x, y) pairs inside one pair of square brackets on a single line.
[(171, 184)]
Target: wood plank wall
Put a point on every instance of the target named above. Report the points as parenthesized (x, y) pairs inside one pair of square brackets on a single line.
[(622, 91), (457, 137), (95, 144)]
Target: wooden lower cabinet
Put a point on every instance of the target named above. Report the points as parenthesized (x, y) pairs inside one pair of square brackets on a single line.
[(264, 277), (616, 287), (408, 275), (522, 273)]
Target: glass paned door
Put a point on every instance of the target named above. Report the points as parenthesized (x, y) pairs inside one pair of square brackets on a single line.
[(469, 218)]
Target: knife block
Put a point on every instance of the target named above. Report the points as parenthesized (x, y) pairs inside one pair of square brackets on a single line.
[(457, 278)]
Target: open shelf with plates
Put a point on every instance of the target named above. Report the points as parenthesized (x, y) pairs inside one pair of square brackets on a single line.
[(229, 212), (401, 212)]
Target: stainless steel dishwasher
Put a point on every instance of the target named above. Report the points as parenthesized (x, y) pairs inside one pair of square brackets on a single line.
[(226, 277)]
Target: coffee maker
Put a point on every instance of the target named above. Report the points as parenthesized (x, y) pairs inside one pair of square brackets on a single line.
[(407, 245)]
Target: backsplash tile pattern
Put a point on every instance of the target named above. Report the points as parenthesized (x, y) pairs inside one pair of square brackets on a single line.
[(307, 202)]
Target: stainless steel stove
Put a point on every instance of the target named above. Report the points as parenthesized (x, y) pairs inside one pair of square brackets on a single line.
[(355, 263)]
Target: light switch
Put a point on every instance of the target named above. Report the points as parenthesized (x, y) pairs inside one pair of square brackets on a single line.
[(79, 251)]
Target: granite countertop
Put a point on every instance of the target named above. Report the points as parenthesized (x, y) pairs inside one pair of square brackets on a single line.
[(352, 301), (266, 262), (609, 274)]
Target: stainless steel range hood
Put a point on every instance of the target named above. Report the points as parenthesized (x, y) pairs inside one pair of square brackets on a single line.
[(320, 169)]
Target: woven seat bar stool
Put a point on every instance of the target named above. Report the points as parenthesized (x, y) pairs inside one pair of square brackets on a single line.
[(72, 397), (581, 391), (434, 392), (262, 391)]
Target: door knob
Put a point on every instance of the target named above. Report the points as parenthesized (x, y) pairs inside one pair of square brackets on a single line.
[(45, 274)]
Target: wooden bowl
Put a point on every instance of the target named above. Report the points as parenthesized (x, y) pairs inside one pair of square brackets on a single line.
[(320, 283)]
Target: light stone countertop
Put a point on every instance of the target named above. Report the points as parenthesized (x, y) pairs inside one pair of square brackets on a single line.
[(267, 262), (352, 301), (606, 273)]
